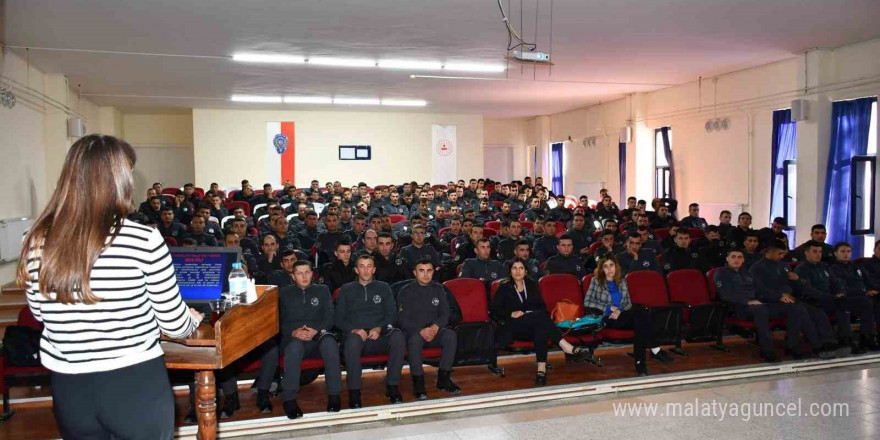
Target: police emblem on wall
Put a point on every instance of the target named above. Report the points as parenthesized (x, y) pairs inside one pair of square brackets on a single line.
[(280, 142), (444, 147)]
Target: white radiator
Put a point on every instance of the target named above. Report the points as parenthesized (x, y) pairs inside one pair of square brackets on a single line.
[(11, 232)]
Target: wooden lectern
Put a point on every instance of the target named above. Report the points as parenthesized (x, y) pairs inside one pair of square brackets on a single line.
[(237, 332)]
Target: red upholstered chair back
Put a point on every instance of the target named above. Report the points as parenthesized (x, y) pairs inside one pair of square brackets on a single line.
[(239, 204), (647, 288), (710, 282), (688, 286), (696, 233), (557, 287), (26, 318), (494, 287), (471, 296), (396, 218), (585, 283), (494, 225), (489, 232), (528, 225)]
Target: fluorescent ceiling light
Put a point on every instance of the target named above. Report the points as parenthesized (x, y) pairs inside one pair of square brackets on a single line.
[(473, 67), (268, 58), (356, 101), (405, 102), (307, 100), (409, 64), (255, 98), (341, 62)]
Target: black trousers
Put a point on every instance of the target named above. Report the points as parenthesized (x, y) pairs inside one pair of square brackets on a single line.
[(797, 322), (637, 319), (134, 402), (537, 327), (445, 338), (394, 344), (294, 353)]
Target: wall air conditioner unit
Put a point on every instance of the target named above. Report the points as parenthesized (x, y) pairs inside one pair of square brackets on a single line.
[(76, 128), (626, 135), (800, 110)]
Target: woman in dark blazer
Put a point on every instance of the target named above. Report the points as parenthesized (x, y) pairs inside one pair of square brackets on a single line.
[(522, 315), (608, 296)]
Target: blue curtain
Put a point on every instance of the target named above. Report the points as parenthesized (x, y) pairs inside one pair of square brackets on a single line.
[(850, 121), (621, 158), (667, 151), (784, 143), (556, 168)]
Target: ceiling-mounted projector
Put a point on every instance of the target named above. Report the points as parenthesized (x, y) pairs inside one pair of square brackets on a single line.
[(531, 56)]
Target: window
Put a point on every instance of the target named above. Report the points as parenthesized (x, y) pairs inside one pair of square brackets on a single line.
[(864, 169), (862, 187), (556, 168), (355, 152), (789, 192), (662, 168)]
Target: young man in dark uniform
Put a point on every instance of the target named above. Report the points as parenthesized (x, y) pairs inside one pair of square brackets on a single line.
[(636, 259), (365, 313), (168, 227), (565, 261), (682, 256), (693, 220), (197, 233), (736, 286), (773, 285), (521, 251), (341, 270), (852, 280), (482, 266), (817, 287), (389, 267), (545, 245), (306, 317), (423, 315)]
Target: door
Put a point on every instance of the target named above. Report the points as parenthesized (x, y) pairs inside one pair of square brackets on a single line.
[(498, 162), (173, 166)]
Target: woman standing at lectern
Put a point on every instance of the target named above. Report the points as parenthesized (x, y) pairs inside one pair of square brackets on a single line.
[(104, 288)]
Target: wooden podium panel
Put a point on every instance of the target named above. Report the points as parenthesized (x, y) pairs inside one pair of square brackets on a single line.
[(237, 332)]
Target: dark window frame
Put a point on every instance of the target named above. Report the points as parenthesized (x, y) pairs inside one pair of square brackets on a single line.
[(872, 162)]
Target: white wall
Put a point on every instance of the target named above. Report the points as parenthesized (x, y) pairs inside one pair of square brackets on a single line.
[(230, 145), (510, 132), (34, 141)]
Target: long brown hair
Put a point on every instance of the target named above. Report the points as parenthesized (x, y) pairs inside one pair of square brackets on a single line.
[(599, 274), (91, 198)]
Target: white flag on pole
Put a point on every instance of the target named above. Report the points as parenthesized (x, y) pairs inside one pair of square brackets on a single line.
[(444, 152)]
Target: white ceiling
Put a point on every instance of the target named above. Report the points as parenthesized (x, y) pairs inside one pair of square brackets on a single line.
[(602, 48)]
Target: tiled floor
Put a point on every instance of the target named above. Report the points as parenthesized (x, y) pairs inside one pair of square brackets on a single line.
[(858, 388)]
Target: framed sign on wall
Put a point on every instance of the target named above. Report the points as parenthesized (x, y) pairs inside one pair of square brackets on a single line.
[(355, 152)]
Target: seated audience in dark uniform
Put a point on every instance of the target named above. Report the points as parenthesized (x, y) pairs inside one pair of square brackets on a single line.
[(423, 315), (635, 258)]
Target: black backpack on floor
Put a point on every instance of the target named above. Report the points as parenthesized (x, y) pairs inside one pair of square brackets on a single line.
[(22, 346)]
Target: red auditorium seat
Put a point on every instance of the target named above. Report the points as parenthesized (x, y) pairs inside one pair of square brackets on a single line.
[(239, 204), (528, 225), (594, 247), (442, 231), (558, 287), (170, 241), (494, 225), (703, 319), (472, 300), (489, 232), (199, 192), (661, 234), (746, 324), (397, 218), (696, 233), (170, 191), (560, 229), (494, 288), (25, 319)]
